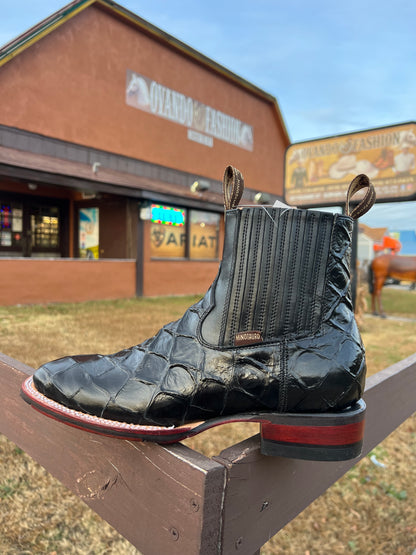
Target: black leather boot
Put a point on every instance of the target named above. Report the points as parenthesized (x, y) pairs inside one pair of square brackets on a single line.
[(274, 340)]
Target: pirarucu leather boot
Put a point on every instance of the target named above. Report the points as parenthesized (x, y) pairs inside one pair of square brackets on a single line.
[(274, 341)]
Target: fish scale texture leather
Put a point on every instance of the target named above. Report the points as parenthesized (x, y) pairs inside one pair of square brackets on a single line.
[(295, 293)]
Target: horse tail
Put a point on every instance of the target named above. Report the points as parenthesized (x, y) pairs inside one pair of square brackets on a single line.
[(370, 278)]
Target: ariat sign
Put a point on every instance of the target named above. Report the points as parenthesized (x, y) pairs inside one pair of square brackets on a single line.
[(170, 242), (153, 97)]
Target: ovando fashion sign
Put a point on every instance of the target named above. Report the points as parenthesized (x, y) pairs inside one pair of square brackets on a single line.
[(204, 122)]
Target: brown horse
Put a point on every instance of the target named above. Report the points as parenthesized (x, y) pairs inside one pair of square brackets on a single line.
[(388, 265)]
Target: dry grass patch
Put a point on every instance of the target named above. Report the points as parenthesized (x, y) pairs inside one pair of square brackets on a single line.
[(397, 302), (37, 334), (371, 510), (387, 342)]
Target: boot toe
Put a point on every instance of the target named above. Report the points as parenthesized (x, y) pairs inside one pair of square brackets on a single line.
[(47, 378), (68, 381)]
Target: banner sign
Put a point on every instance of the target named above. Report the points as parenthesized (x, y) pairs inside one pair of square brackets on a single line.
[(319, 172), (202, 121)]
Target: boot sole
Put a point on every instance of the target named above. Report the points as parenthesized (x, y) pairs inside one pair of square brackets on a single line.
[(334, 436)]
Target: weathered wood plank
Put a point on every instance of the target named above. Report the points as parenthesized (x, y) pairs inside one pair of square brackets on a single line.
[(263, 494), (162, 499)]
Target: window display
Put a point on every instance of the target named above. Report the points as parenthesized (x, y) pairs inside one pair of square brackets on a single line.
[(203, 235), (11, 225), (44, 226), (28, 228)]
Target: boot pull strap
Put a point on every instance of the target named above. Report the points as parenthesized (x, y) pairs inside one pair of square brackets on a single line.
[(358, 183), (233, 186)]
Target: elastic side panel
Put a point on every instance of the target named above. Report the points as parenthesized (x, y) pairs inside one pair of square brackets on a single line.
[(252, 282), (268, 254), (273, 277), (259, 254), (244, 243), (280, 273)]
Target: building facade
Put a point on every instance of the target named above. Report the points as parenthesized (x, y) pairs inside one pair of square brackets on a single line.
[(113, 140)]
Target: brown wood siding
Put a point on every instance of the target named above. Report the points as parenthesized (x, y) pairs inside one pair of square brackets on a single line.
[(177, 277)]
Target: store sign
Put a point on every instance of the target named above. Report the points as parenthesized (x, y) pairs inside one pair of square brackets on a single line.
[(167, 215), (202, 121), (203, 241), (319, 172), (167, 242), (170, 242)]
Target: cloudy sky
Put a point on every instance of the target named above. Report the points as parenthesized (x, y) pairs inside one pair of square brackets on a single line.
[(334, 67)]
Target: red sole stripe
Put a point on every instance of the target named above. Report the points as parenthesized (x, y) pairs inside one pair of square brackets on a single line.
[(314, 435)]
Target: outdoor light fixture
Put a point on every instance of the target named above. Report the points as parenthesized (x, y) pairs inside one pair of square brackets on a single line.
[(262, 198), (200, 185), (145, 210), (95, 167), (32, 186)]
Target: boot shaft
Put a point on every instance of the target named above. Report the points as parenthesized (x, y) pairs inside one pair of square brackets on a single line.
[(284, 271), (281, 271)]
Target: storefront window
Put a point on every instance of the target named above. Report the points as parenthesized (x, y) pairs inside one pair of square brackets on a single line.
[(203, 234), (168, 235), (28, 228), (11, 224), (44, 226), (182, 233), (89, 233)]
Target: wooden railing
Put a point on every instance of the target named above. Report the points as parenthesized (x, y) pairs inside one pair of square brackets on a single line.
[(171, 499)]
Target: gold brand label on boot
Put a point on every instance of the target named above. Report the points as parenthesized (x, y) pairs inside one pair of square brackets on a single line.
[(247, 338)]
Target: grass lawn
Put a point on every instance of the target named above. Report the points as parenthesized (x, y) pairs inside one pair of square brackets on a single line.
[(397, 301), (371, 510)]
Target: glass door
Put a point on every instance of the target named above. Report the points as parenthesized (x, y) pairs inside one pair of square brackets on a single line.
[(30, 228), (43, 231)]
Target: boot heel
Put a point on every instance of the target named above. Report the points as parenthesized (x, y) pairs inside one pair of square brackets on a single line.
[(313, 436)]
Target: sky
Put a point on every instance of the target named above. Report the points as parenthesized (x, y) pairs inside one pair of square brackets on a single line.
[(334, 67)]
